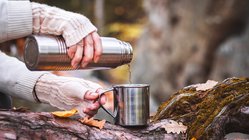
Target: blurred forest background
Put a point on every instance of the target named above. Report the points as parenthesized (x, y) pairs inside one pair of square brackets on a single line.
[(176, 42)]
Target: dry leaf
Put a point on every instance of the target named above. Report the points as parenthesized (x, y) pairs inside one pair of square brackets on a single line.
[(205, 86), (85, 120), (174, 127), (193, 138), (65, 114), (92, 122), (208, 85)]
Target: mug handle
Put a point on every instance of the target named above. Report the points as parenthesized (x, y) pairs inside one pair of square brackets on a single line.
[(115, 112)]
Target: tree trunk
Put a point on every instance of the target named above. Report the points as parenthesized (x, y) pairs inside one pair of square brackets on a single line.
[(99, 15)]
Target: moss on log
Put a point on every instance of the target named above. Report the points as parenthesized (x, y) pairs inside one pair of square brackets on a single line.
[(211, 113)]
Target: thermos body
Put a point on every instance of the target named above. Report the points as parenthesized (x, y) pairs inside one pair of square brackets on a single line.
[(45, 52)]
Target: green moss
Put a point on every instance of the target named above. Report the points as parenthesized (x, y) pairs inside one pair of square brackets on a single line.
[(197, 109)]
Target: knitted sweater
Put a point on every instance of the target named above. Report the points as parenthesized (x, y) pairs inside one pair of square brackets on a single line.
[(19, 18)]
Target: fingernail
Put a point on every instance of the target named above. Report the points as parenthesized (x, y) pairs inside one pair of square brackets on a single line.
[(103, 100), (75, 66), (96, 59), (72, 64), (100, 90), (83, 64), (94, 94), (94, 107)]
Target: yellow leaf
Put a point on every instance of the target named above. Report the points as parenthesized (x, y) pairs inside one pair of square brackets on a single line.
[(65, 114)]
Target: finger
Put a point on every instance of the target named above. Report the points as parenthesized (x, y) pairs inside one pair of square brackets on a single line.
[(71, 51), (91, 95), (97, 46), (78, 56), (103, 100), (103, 97), (100, 90), (90, 112), (88, 50), (95, 106)]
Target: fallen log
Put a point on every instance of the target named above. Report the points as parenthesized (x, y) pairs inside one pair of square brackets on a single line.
[(43, 125), (208, 114)]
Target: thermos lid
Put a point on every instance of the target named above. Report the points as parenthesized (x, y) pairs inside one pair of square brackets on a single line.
[(31, 53)]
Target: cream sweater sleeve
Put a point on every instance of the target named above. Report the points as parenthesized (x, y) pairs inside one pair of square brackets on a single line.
[(15, 79), (15, 22)]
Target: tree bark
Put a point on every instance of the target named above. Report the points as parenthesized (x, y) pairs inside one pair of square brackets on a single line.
[(43, 125)]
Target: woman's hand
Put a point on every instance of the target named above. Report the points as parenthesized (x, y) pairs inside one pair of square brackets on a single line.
[(93, 96), (80, 35), (67, 93), (87, 50)]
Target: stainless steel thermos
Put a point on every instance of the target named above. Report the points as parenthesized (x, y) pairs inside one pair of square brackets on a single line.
[(45, 52)]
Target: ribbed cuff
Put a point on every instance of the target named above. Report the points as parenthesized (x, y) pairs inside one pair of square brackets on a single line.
[(76, 36), (19, 19), (26, 85)]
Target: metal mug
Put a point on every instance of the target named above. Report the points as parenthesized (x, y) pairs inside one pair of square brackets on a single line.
[(131, 104)]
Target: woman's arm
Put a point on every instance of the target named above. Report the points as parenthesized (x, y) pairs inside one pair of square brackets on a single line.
[(15, 22), (20, 17)]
